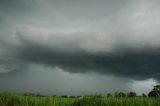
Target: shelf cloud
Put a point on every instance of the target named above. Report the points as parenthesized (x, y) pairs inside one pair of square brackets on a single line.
[(117, 38)]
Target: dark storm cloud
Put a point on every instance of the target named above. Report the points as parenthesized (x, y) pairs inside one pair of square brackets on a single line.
[(120, 38), (123, 63)]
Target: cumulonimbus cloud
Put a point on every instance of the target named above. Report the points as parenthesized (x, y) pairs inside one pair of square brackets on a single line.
[(125, 43)]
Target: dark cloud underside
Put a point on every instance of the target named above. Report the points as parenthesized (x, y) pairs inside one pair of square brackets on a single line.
[(125, 63), (119, 38)]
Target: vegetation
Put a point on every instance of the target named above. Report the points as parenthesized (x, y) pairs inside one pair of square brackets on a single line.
[(8, 99), (155, 92), (118, 99)]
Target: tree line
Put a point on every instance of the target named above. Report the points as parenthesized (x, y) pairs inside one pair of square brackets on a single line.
[(155, 92)]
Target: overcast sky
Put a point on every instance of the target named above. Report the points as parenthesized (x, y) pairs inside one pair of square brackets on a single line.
[(79, 47)]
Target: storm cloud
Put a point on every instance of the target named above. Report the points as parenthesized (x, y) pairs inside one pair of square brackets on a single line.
[(125, 62), (116, 38)]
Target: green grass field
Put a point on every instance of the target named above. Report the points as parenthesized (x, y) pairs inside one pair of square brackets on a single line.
[(8, 99)]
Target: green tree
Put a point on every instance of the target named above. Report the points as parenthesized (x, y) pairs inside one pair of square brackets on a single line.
[(131, 94), (121, 94), (155, 92), (109, 95), (144, 95)]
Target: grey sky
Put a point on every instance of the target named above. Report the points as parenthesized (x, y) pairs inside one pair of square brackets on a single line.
[(86, 38)]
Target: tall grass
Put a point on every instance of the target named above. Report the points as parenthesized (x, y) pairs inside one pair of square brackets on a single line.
[(8, 99)]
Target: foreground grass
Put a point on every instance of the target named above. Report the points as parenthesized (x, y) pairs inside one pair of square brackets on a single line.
[(8, 99)]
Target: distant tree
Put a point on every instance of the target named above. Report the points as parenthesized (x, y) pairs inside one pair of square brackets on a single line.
[(121, 94), (29, 94), (72, 97), (109, 95), (155, 92), (144, 95), (79, 96), (116, 94), (39, 95), (64, 96), (32, 94), (54, 95), (131, 94)]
